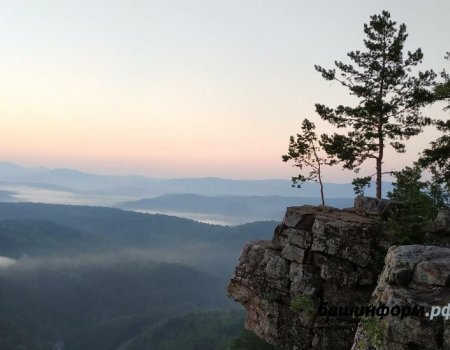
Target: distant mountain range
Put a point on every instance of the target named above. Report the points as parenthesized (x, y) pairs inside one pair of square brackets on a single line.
[(74, 180), (208, 199)]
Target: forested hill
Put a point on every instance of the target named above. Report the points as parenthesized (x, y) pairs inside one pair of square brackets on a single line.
[(96, 278), (106, 227)]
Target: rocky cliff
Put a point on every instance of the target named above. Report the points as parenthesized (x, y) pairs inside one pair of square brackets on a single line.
[(318, 256), (316, 280)]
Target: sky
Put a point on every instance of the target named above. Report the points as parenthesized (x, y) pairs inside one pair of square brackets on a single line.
[(186, 88)]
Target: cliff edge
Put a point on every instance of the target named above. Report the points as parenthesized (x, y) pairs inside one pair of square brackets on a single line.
[(318, 256), (314, 285)]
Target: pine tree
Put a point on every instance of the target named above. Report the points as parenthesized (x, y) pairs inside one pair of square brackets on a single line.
[(390, 97), (442, 90), (306, 152), (436, 157)]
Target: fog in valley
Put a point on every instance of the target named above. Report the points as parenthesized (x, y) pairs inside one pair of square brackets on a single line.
[(208, 200)]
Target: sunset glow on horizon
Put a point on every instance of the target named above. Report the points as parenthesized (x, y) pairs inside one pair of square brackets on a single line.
[(178, 89)]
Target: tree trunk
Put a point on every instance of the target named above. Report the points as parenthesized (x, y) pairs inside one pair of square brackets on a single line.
[(380, 159), (380, 122), (379, 179), (319, 174), (321, 191)]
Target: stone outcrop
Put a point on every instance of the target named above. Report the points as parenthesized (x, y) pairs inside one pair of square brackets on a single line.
[(442, 221), (323, 258), (370, 206), (413, 275), (319, 255)]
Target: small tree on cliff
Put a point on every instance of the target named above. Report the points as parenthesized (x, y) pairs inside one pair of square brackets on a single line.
[(389, 96), (410, 222), (305, 150)]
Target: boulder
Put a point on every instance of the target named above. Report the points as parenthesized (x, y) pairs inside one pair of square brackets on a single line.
[(414, 276), (442, 221)]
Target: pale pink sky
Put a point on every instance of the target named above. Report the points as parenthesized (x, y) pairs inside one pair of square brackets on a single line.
[(174, 89)]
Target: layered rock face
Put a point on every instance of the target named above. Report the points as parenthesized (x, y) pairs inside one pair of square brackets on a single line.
[(318, 256), (413, 275)]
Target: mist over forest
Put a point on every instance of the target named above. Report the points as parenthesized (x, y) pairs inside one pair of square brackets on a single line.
[(80, 277), (79, 272), (119, 262)]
